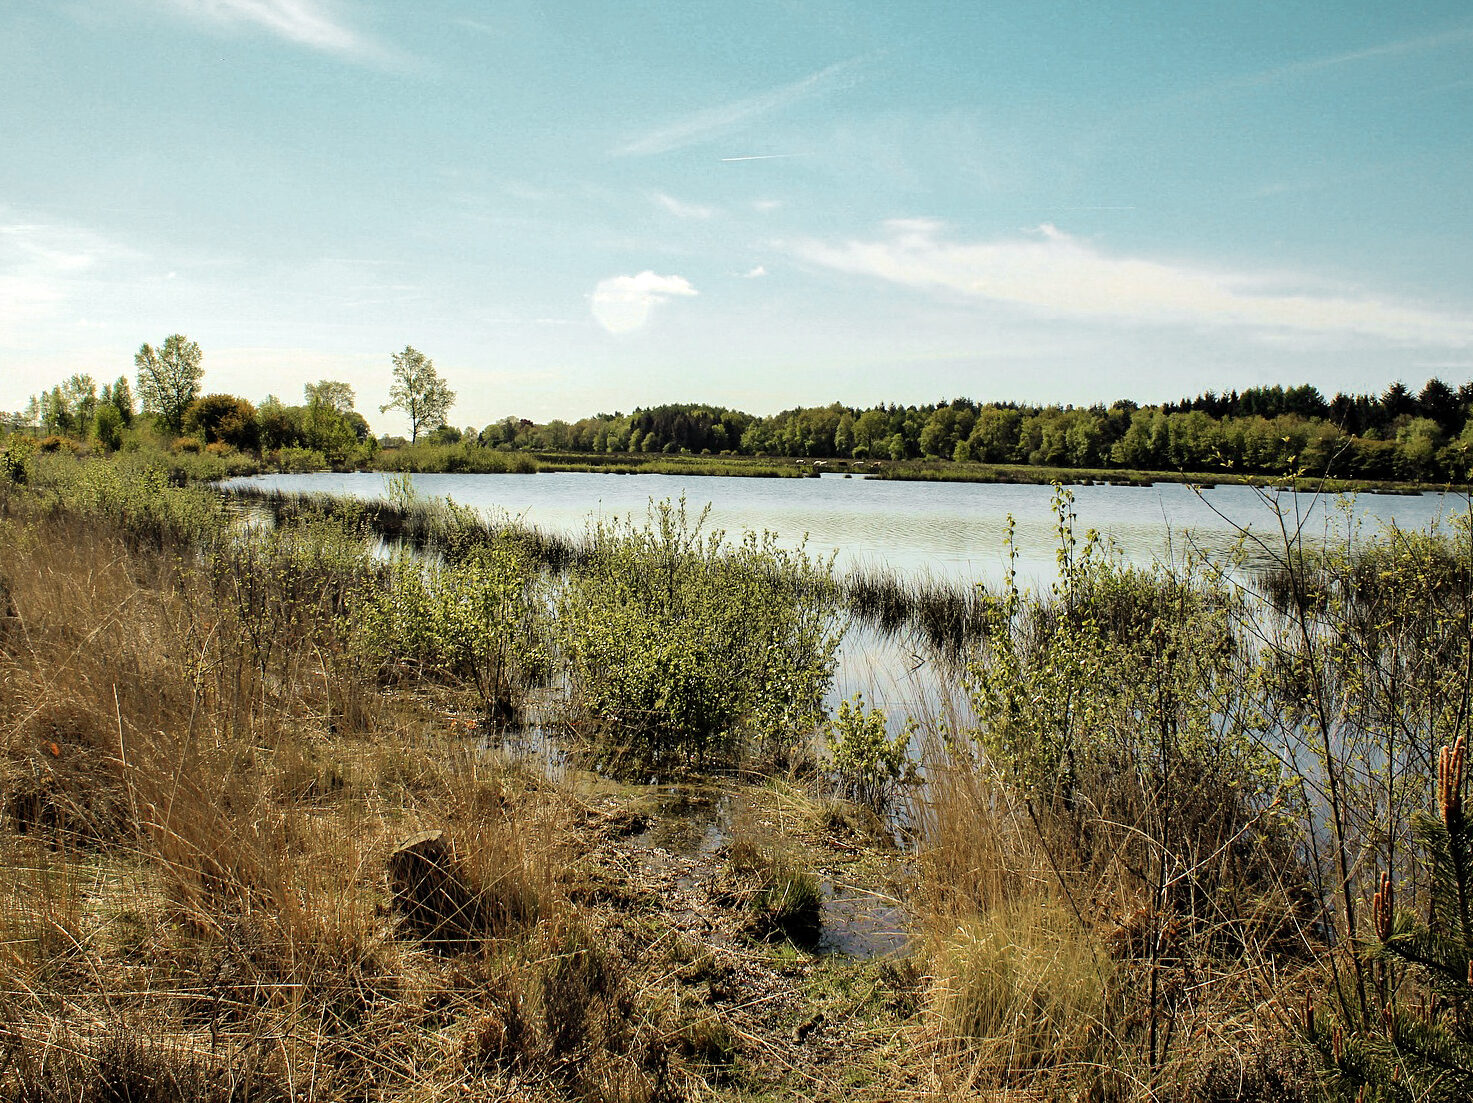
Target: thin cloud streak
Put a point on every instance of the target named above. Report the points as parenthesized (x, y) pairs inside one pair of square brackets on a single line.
[(310, 23), (1309, 66), (718, 120), (1056, 274)]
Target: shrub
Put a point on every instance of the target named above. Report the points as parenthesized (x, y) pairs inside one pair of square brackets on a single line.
[(55, 443), (1123, 705), (478, 618), (869, 766), (683, 648)]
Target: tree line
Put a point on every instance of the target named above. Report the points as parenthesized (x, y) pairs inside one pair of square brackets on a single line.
[(167, 398), (1270, 430), (1261, 430)]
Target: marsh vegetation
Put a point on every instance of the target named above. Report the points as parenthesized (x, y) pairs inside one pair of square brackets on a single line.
[(270, 831)]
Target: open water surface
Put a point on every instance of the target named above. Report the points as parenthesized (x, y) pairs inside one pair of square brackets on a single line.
[(948, 530), (953, 531)]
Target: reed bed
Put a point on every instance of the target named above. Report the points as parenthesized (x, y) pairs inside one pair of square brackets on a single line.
[(946, 615), (258, 844)]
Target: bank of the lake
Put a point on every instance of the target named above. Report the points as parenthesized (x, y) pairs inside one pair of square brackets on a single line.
[(465, 459)]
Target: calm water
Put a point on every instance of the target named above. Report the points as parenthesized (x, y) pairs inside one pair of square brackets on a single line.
[(949, 530), (952, 530)]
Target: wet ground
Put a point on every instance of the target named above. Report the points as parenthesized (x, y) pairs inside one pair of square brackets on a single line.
[(807, 1017), (861, 917)]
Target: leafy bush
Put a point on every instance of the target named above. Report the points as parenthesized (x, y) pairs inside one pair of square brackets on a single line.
[(869, 766), (682, 648), (1123, 705), (479, 618), (14, 460)]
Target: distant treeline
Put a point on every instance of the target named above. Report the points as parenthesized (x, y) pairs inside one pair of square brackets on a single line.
[(1267, 430), (1397, 435)]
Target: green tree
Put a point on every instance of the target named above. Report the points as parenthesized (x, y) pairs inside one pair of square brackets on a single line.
[(223, 418), (120, 397), (281, 425), (108, 427), (330, 423), (419, 391), (80, 394), (169, 378), (330, 393), (844, 435)]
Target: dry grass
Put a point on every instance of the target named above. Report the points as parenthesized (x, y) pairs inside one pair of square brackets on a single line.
[(195, 839), (201, 787), (1052, 974)]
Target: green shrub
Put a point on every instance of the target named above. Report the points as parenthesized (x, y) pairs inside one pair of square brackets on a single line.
[(1124, 706), (869, 766), (683, 648), (479, 618)]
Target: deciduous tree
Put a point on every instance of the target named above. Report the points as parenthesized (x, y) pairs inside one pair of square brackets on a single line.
[(419, 391), (169, 378)]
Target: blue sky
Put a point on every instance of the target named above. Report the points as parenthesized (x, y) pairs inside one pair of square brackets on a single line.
[(577, 207)]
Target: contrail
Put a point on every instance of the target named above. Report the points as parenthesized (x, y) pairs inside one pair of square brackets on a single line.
[(764, 156)]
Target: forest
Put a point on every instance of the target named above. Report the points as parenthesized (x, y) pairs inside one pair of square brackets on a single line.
[(1396, 436)]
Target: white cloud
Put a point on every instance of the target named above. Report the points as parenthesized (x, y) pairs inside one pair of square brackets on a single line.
[(311, 23), (1054, 273), (623, 303), (763, 206), (681, 209), (755, 273), (712, 121)]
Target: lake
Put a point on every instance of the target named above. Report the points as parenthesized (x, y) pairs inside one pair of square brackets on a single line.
[(947, 530), (950, 530)]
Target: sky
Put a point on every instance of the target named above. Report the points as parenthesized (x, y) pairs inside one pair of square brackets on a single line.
[(582, 207)]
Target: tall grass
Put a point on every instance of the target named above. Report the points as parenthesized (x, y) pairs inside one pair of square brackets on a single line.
[(1206, 785), (202, 782)]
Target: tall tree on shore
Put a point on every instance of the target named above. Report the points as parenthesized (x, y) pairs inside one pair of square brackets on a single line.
[(169, 378), (419, 391)]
